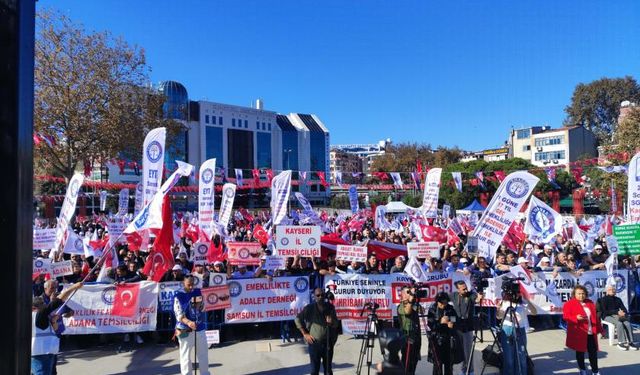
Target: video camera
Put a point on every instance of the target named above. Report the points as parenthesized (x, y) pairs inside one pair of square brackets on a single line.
[(511, 288), (421, 292), (371, 306), (479, 283)]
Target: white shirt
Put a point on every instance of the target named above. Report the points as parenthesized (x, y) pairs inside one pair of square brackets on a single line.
[(520, 314), (587, 311)]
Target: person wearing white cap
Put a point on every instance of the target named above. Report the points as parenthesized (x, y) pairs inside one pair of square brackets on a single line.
[(543, 265), (523, 262)]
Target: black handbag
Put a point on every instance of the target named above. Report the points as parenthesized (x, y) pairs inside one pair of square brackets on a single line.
[(457, 353), (492, 356)]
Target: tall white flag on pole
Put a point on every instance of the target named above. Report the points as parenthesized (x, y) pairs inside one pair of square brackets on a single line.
[(67, 210), (543, 222), (152, 163), (206, 190), (280, 190), (228, 196), (431, 192)]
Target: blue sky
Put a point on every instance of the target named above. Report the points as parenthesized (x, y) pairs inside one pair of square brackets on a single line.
[(440, 72)]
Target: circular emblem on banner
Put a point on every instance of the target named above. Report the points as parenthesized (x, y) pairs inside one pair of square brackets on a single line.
[(526, 280), (243, 253), (78, 244), (303, 200), (621, 284), (284, 241), (203, 249), (542, 220), (39, 263), (154, 151), (107, 295), (218, 279), (609, 168), (234, 288), (415, 270), (75, 186), (139, 188), (301, 284), (312, 241), (162, 286), (229, 193), (517, 187), (207, 175), (590, 289), (212, 298)]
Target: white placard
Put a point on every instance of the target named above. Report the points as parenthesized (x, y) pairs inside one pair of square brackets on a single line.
[(61, 269), (351, 253), (274, 263), (423, 249), (298, 240), (213, 337), (44, 238)]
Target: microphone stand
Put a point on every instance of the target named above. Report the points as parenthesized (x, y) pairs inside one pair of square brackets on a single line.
[(196, 364)]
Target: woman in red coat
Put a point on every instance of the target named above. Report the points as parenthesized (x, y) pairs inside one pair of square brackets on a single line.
[(583, 326)]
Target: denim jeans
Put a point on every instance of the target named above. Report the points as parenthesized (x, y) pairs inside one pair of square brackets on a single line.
[(42, 364), (514, 359)]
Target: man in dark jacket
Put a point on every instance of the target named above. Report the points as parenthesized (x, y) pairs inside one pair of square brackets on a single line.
[(441, 318), (612, 310)]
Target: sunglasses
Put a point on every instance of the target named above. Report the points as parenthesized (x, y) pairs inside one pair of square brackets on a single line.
[(318, 295)]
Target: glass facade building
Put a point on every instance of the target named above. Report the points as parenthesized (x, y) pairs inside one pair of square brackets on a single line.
[(240, 150), (214, 144), (264, 150)]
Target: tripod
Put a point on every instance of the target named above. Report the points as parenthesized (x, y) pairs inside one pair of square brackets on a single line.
[(478, 336), (368, 340), (510, 313)]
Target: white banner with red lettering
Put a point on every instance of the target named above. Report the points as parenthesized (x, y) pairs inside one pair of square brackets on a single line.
[(61, 269), (351, 253), (41, 266), (298, 240), (263, 300), (92, 306), (44, 238), (206, 190)]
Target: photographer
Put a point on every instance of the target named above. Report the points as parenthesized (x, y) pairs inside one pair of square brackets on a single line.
[(441, 318), (513, 339), (408, 316), (317, 322), (464, 302)]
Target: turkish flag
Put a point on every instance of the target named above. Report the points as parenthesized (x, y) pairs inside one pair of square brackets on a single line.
[(160, 260), (260, 234), (126, 300), (322, 178), (431, 233), (256, 177), (269, 175), (499, 175)]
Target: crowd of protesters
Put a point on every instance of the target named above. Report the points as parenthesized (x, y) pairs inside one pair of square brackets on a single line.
[(561, 255)]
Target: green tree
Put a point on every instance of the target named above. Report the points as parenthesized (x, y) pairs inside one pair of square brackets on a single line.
[(403, 157), (627, 135), (91, 96), (596, 105)]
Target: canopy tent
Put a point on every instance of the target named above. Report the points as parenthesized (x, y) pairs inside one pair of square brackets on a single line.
[(475, 206), (398, 207)]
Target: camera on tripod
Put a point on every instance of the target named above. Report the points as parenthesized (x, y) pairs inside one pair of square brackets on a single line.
[(511, 288), (479, 282)]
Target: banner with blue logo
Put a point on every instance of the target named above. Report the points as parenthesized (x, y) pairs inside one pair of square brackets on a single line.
[(263, 300), (205, 196), (152, 163), (543, 223)]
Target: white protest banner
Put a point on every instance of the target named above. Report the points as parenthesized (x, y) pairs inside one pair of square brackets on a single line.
[(280, 190), (228, 196), (543, 222), (200, 252), (92, 306), (446, 211), (274, 263), (61, 269), (262, 300), (216, 298), (68, 209), (351, 253), (298, 240), (41, 266), (431, 192), (502, 211), (167, 291), (197, 280), (206, 189), (244, 253), (217, 279), (103, 200), (139, 199), (612, 244), (44, 238), (519, 272), (308, 210), (115, 229), (633, 188), (353, 199), (123, 202), (423, 249), (353, 291), (152, 163), (213, 336)]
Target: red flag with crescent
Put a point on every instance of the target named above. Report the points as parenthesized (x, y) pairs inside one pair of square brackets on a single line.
[(126, 300), (160, 260), (260, 234)]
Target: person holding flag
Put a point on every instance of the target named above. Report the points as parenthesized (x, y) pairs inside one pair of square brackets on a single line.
[(190, 320)]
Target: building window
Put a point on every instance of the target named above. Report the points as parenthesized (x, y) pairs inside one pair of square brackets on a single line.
[(526, 148), (213, 120), (246, 124), (269, 126), (206, 119), (550, 155), (258, 125), (523, 133), (549, 141), (264, 150), (233, 122), (220, 120)]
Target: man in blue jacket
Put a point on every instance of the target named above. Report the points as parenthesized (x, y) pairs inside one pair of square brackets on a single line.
[(190, 326)]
